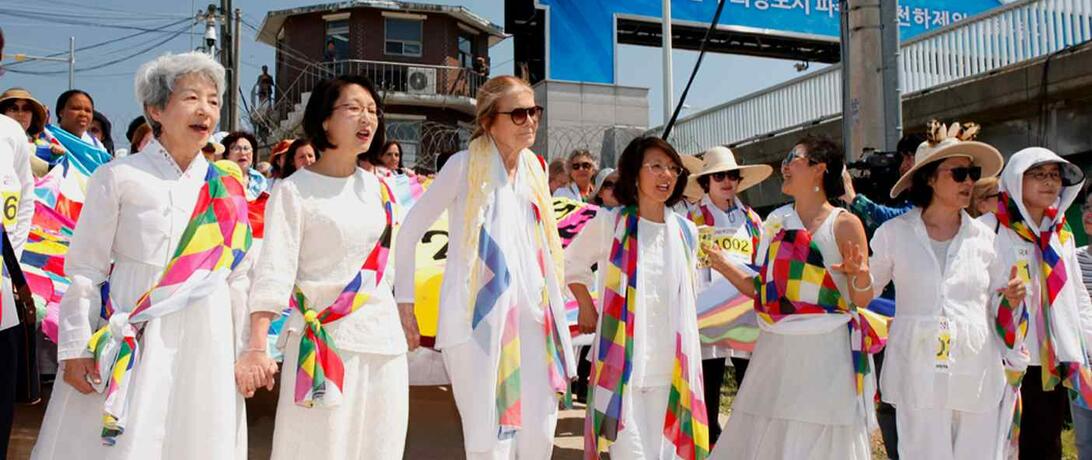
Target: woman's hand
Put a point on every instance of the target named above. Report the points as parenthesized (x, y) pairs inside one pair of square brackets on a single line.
[(587, 318), (853, 263), (254, 369), (718, 259), (1014, 290), (847, 183), (409, 325), (81, 373), (56, 149)]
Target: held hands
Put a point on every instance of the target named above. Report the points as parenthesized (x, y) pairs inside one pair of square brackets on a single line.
[(1014, 291), (254, 369), (409, 325), (81, 373)]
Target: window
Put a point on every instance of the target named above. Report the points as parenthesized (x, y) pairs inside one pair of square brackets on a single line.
[(403, 37), (407, 133), (337, 40), (466, 51)]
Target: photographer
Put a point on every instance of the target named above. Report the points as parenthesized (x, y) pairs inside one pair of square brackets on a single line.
[(874, 214)]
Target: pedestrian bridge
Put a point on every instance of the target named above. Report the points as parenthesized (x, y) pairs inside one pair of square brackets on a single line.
[(1010, 37)]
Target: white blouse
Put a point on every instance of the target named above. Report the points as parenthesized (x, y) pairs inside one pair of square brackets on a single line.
[(136, 210), (658, 287), (927, 295), (318, 231), (16, 190)]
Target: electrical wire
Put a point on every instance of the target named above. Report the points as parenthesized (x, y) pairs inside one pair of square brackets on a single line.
[(111, 41), (108, 63)]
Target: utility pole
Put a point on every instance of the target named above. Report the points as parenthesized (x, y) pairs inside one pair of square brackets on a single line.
[(865, 117), (71, 62), (237, 76), (210, 30), (669, 106)]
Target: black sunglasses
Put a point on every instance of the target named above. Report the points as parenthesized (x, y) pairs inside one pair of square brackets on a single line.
[(961, 173), (720, 176), (584, 165), (608, 184), (520, 116)]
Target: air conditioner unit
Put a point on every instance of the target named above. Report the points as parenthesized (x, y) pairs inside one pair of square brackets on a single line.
[(421, 80)]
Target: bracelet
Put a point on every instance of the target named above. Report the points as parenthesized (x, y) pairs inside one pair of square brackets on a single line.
[(853, 284), (256, 350)]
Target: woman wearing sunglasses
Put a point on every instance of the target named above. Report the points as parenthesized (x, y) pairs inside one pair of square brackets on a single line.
[(942, 370), (809, 390), (1054, 323), (582, 168), (645, 398), (502, 329), (737, 228)]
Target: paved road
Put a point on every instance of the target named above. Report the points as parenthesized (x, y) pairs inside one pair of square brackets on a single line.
[(434, 431)]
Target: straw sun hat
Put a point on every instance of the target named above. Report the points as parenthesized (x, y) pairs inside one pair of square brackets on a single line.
[(945, 142), (721, 159)]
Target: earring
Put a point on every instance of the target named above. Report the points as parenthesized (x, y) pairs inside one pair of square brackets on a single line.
[(815, 189)]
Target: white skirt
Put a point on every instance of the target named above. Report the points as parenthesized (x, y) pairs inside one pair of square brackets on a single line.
[(370, 422), (183, 402), (798, 401)]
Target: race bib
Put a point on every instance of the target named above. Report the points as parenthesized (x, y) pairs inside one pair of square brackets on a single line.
[(944, 345), (11, 207)]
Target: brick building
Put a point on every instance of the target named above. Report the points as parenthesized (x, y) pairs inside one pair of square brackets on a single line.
[(427, 61)]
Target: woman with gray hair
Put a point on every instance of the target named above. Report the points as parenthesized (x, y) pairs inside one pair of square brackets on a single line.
[(157, 379)]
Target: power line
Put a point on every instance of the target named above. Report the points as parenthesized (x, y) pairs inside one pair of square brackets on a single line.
[(108, 63), (72, 20), (113, 40)]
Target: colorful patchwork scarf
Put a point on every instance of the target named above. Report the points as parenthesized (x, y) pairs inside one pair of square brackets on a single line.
[(701, 215), (214, 242), (1012, 321), (492, 310), (685, 424), (794, 281), (320, 373)]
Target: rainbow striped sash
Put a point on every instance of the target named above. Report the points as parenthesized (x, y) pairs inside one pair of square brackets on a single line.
[(320, 373), (214, 242), (685, 424), (794, 281)]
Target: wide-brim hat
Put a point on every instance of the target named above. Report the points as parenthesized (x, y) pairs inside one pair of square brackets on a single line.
[(693, 191), (948, 144), (600, 179), (721, 159), (39, 118)]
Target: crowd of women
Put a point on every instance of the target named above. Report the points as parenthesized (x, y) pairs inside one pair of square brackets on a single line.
[(987, 351)]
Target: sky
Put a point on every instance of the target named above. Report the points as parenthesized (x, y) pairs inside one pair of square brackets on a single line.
[(158, 26)]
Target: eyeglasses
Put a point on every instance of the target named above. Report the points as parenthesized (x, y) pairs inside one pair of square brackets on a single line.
[(356, 111), (584, 165), (992, 196), (1043, 176), (658, 168), (607, 185), (730, 175), (520, 115), (961, 173), (792, 156)]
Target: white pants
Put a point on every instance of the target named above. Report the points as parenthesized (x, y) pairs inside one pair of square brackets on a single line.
[(535, 439), (642, 438), (370, 422), (944, 434)]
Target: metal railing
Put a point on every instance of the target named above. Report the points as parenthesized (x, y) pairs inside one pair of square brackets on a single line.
[(387, 76), (979, 45)]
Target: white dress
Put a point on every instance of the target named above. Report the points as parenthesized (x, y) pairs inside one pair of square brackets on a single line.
[(319, 230), (654, 331), (948, 408), (462, 356), (799, 399), (183, 402)]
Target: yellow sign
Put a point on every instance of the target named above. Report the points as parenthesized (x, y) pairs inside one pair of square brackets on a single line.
[(731, 242), (944, 345), (11, 208)]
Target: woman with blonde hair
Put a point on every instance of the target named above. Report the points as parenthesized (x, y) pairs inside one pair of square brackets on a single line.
[(502, 327), (984, 196)]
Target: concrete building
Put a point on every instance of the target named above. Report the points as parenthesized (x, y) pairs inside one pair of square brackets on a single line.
[(428, 61)]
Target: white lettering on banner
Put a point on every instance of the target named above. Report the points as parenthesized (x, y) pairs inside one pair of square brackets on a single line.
[(907, 16)]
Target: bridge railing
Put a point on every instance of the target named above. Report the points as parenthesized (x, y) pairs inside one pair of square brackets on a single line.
[(1005, 36)]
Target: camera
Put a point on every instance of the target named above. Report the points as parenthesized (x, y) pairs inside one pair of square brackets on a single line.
[(875, 173)]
